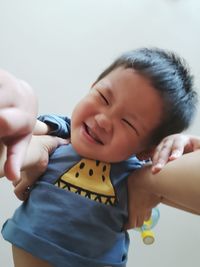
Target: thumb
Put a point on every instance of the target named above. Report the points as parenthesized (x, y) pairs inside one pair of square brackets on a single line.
[(52, 142), (16, 151)]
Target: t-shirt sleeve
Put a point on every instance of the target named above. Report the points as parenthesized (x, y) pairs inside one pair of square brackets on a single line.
[(60, 125)]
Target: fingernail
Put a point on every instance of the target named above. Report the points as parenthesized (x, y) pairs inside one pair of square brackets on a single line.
[(156, 168), (159, 165), (176, 154), (64, 141)]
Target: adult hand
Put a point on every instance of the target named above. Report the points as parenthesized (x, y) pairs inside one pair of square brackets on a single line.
[(18, 112), (40, 147), (140, 205)]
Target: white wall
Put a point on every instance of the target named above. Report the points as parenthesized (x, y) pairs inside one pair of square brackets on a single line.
[(60, 47)]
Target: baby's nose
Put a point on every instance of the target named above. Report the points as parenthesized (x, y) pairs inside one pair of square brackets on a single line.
[(104, 122)]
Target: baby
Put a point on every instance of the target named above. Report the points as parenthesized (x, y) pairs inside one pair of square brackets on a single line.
[(75, 213)]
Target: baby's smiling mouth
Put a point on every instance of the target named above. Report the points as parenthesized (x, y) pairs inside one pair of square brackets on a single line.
[(92, 134)]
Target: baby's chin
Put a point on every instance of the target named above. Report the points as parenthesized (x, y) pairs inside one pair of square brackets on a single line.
[(94, 155), (91, 153), (81, 151), (86, 153)]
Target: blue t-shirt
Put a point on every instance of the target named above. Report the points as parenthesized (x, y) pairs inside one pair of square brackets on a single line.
[(75, 213)]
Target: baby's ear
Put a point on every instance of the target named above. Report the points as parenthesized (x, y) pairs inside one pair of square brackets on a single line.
[(146, 154)]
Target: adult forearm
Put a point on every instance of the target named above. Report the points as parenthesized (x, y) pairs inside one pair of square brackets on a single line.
[(181, 207), (178, 182)]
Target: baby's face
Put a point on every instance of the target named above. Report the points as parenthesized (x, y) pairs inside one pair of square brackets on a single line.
[(113, 121)]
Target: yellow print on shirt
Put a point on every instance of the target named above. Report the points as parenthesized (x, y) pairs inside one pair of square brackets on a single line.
[(90, 179)]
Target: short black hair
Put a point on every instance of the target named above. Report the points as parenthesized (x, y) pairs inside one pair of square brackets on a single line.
[(170, 75)]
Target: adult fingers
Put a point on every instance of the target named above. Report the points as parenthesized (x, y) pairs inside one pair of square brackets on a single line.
[(23, 188), (16, 151), (13, 123), (132, 222)]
